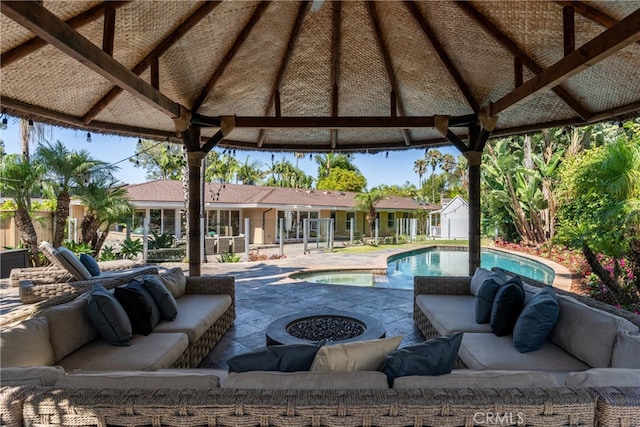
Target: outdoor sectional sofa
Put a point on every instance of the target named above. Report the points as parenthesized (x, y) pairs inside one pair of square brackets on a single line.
[(126, 395)]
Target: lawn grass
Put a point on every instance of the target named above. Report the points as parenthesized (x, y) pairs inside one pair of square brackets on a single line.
[(361, 249)]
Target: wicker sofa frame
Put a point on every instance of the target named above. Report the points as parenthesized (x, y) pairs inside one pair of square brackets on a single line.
[(56, 274), (392, 408)]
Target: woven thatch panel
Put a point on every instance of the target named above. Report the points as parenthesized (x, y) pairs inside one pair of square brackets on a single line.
[(424, 84), (305, 90), (361, 93), (547, 107), (247, 84), (137, 113), (191, 62), (315, 137), (14, 34)]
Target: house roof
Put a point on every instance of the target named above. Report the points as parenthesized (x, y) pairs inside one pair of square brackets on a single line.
[(320, 76), (171, 191)]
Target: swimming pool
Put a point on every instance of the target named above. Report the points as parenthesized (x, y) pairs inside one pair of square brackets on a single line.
[(432, 261)]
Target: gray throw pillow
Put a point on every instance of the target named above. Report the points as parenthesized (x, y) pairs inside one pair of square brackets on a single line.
[(90, 264), (433, 357), (478, 277), (507, 306), (486, 294), (283, 358), (536, 321), (72, 264), (108, 316), (164, 300)]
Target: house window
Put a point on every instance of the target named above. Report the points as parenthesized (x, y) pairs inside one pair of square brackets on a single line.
[(391, 220), (350, 216)]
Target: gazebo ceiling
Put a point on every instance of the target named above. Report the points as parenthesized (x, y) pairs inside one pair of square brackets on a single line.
[(320, 76)]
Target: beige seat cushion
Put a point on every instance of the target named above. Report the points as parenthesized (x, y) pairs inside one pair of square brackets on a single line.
[(487, 351), (451, 313), (478, 379), (196, 314), (33, 375), (306, 380), (139, 379), (355, 356), (604, 377), (26, 344), (72, 264), (175, 280), (145, 353), (587, 333), (72, 329)]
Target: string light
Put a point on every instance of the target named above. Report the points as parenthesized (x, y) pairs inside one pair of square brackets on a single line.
[(88, 137), (386, 155), (4, 124), (30, 124)]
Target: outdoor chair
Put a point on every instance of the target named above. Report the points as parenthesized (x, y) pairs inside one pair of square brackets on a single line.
[(67, 274)]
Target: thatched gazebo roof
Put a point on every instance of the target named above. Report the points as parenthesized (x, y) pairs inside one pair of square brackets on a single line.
[(320, 76)]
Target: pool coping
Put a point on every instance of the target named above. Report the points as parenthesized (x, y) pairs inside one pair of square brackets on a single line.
[(562, 279)]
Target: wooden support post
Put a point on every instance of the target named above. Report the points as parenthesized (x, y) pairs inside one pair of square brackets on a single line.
[(473, 157), (194, 159)]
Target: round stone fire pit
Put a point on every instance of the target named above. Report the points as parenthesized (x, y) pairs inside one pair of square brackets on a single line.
[(323, 324)]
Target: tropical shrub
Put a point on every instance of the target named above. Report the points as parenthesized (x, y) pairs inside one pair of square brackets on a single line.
[(228, 257), (130, 249)]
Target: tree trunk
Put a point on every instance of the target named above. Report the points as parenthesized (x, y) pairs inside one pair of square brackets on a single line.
[(62, 212), (100, 242), (28, 234), (85, 227), (596, 267)]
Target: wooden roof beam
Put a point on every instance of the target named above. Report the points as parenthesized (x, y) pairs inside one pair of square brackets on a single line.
[(257, 13), (109, 30), (284, 65), (78, 21), (512, 47), (50, 28), (442, 54), (335, 66), (601, 47), (396, 101), (590, 13), (156, 53)]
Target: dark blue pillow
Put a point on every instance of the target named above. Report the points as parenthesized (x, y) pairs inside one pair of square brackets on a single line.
[(486, 294), (434, 357), (90, 264), (155, 311), (164, 300), (137, 307), (283, 358), (108, 316), (507, 307), (536, 321)]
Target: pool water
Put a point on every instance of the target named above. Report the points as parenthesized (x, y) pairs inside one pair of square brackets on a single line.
[(402, 268)]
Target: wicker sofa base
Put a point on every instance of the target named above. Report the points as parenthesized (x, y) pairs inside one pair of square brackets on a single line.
[(232, 407)]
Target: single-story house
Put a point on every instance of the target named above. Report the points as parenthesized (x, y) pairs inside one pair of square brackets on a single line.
[(228, 205), (452, 221)]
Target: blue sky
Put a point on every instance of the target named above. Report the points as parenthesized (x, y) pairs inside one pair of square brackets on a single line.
[(378, 169)]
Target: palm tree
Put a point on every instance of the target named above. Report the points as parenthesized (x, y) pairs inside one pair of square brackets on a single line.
[(420, 167), (332, 160), (434, 159), (106, 205), (64, 170), (299, 156), (250, 173), (19, 177), (367, 202)]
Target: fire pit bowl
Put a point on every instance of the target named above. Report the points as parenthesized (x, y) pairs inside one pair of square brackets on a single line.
[(323, 324)]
